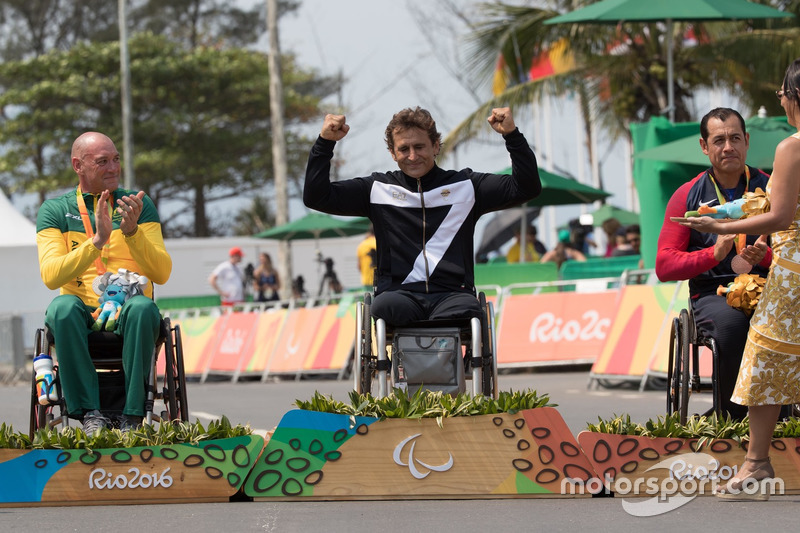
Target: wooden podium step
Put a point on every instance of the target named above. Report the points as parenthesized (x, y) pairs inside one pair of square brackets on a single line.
[(209, 471), (323, 456)]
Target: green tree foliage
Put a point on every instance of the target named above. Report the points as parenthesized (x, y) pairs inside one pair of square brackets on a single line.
[(200, 100), (203, 22), (201, 118), (255, 219), (31, 28), (619, 74)]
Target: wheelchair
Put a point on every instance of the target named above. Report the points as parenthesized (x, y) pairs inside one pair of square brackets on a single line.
[(478, 346), (105, 349), (683, 371)]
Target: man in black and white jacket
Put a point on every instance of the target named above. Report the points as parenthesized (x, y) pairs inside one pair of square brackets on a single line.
[(424, 217)]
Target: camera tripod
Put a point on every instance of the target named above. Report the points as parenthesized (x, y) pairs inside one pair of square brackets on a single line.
[(329, 284)]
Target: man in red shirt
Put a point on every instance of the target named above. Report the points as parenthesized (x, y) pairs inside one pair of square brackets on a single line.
[(705, 259)]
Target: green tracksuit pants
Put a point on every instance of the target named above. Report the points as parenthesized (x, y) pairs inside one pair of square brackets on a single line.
[(71, 320)]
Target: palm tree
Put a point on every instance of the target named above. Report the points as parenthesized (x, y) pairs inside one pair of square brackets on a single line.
[(619, 71)]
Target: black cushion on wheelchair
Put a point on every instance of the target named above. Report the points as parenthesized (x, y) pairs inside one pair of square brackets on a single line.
[(463, 323), (442, 323)]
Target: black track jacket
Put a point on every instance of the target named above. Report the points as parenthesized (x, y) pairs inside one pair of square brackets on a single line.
[(423, 228)]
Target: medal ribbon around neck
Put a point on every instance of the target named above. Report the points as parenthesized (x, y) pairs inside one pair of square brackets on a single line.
[(741, 239), (101, 262), (720, 196)]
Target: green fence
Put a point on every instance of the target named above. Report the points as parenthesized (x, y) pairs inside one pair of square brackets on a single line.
[(187, 302), (599, 267), (508, 273), (486, 274)]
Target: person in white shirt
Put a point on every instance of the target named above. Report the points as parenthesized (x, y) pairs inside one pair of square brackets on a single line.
[(228, 279)]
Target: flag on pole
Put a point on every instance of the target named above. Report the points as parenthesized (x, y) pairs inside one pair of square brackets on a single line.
[(500, 81), (554, 60)]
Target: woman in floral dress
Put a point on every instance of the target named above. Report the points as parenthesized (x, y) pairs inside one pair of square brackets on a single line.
[(769, 376)]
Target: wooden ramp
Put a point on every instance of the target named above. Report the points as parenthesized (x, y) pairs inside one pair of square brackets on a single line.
[(323, 456), (633, 466), (210, 471)]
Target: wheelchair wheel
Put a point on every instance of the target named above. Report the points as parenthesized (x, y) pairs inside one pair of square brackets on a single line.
[(41, 415), (365, 366), (489, 361), (170, 370), (182, 393), (674, 348), (174, 393), (680, 353)]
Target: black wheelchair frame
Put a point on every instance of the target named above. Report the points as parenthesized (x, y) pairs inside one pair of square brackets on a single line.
[(683, 372), (478, 340), (106, 352)]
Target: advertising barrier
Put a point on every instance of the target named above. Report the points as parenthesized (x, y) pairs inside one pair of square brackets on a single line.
[(553, 328), (623, 331), (639, 334)]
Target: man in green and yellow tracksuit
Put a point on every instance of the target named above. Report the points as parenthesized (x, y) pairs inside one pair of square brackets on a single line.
[(94, 228)]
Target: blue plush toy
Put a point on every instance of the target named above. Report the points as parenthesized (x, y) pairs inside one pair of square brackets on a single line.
[(115, 289), (105, 316)]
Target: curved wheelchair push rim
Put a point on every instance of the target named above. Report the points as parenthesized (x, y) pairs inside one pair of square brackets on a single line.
[(364, 366), (679, 369), (174, 389)]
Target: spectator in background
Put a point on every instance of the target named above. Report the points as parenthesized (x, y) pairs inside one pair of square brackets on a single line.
[(299, 288), (633, 234), (580, 236), (610, 227), (366, 255), (629, 241), (564, 251), (534, 249), (266, 281), (228, 279), (538, 245)]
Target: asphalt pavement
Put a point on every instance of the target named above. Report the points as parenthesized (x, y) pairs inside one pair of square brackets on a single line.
[(263, 404)]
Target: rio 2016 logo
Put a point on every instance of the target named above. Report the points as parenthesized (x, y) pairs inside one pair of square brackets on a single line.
[(100, 479), (546, 327)]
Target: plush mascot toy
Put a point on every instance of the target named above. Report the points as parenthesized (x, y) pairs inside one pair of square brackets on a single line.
[(114, 290), (743, 292)]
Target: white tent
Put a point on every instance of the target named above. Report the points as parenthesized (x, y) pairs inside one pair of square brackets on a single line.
[(19, 230), (23, 293)]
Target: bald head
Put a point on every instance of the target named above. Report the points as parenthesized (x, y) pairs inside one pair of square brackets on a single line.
[(85, 141), (96, 161)]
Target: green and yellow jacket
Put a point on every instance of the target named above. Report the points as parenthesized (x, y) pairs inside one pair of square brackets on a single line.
[(67, 257)]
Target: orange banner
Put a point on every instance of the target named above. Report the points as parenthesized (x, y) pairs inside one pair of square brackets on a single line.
[(334, 339), (235, 342), (553, 327), (295, 341), (639, 328), (266, 336), (660, 360), (199, 337)]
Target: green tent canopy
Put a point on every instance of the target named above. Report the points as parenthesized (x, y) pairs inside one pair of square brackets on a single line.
[(558, 190), (667, 11), (316, 226), (765, 135), (606, 211)]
